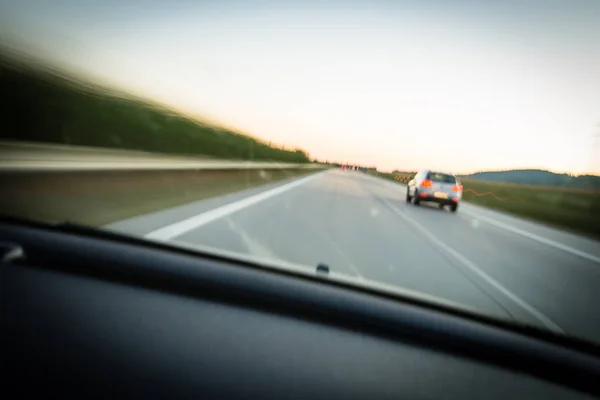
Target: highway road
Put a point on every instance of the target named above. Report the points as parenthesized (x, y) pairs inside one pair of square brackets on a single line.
[(362, 228)]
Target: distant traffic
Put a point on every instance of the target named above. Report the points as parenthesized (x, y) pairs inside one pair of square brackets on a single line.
[(354, 168)]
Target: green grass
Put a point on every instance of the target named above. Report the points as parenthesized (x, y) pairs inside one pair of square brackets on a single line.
[(98, 198), (573, 209), (41, 105), (576, 210)]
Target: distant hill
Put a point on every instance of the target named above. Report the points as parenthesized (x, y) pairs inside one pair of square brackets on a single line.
[(539, 177)]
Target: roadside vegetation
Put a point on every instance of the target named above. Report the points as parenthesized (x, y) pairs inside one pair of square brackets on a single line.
[(540, 178), (577, 210), (101, 197), (40, 104), (573, 209)]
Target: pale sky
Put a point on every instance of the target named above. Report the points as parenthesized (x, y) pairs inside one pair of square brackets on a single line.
[(452, 85)]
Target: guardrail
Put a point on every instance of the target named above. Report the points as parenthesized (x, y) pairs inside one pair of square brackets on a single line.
[(25, 156)]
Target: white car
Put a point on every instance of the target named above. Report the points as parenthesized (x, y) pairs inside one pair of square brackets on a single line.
[(439, 187)]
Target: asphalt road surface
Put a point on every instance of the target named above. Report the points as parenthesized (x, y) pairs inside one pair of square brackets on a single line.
[(361, 227)]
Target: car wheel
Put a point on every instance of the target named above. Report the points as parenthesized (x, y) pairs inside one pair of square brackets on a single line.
[(415, 198), (453, 207), (408, 199)]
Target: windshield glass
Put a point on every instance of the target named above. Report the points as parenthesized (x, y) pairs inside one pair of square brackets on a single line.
[(442, 178), (305, 133)]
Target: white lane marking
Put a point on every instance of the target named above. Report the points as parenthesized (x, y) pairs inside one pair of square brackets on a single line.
[(469, 264), (253, 246), (537, 238), (181, 227)]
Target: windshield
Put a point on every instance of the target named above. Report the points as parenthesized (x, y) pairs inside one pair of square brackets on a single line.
[(441, 178), (447, 150)]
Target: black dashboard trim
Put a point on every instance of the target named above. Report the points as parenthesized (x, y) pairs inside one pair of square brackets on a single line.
[(572, 363)]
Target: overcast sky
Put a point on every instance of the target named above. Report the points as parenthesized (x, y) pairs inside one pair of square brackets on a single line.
[(454, 85)]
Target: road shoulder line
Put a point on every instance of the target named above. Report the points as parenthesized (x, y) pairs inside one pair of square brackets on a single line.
[(179, 228), (536, 238), (475, 269)]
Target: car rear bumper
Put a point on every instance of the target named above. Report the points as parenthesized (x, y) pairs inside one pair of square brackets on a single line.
[(446, 201)]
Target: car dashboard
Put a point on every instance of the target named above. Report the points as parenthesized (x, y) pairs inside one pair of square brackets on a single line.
[(97, 315)]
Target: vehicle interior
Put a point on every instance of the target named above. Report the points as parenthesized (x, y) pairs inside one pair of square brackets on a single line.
[(90, 313)]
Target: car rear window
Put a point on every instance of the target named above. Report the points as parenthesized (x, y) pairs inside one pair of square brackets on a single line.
[(443, 178)]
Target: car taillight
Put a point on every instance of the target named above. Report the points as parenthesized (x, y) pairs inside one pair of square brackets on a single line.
[(426, 183), (457, 188)]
